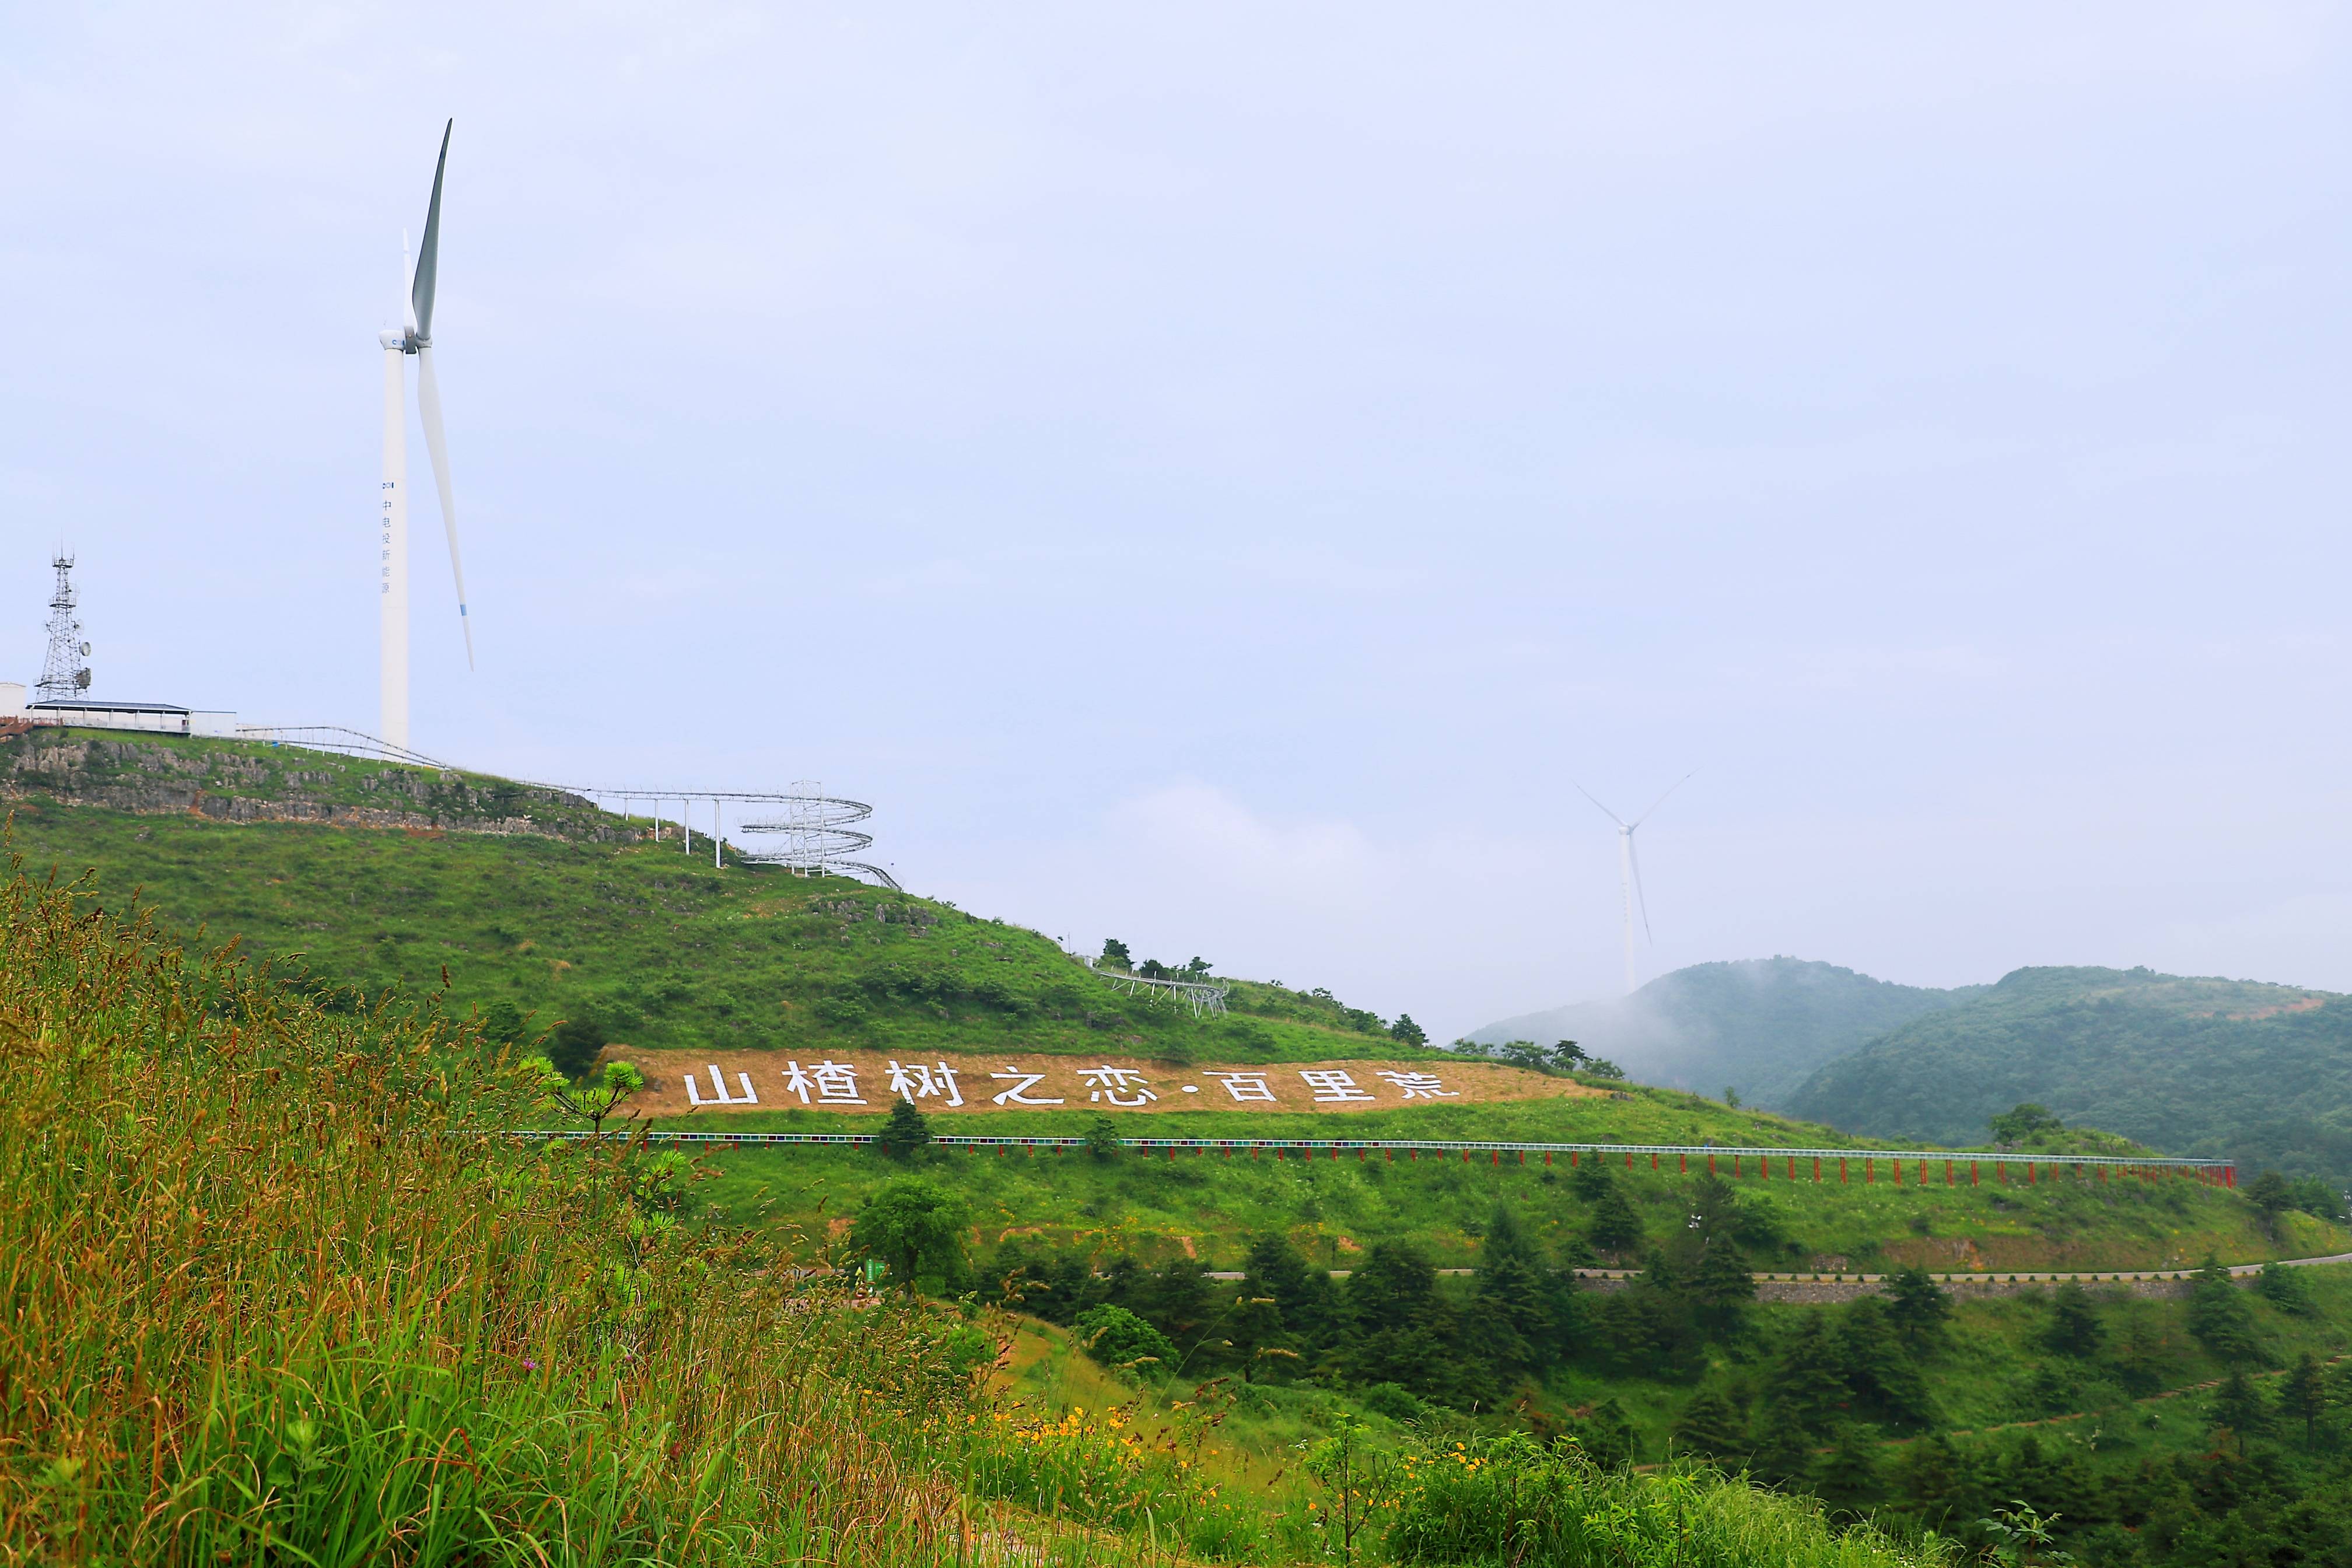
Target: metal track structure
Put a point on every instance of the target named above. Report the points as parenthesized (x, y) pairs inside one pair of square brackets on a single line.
[(1928, 1167), (817, 835), (818, 839), (1204, 997)]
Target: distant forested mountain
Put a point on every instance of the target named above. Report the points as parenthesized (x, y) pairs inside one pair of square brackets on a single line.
[(1761, 1026), (2260, 1073)]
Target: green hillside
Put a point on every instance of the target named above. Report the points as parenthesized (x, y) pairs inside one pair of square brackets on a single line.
[(448, 1350), (2262, 1074), (619, 1354), (1761, 1026), (377, 877)]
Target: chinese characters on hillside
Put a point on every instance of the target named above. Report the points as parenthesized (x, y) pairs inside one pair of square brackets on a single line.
[(935, 1085)]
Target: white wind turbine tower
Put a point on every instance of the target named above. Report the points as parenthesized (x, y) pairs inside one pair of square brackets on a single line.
[(1628, 869), (414, 337)]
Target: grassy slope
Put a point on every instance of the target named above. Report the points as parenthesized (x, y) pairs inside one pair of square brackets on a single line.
[(2203, 1066), (666, 950), (1149, 1206), (455, 1351), (657, 946), (1760, 1026)]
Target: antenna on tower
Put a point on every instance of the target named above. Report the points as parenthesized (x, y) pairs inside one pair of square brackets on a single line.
[(63, 676)]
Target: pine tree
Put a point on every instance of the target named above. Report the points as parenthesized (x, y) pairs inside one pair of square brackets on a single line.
[(1275, 1269), (2219, 1316), (2285, 1288), (2073, 1328), (1722, 1287), (1712, 1425), (1935, 1484), (1507, 1312), (2302, 1396), (1615, 1229), (1847, 1477), (1607, 1435), (1177, 1300), (1878, 1371), (906, 1130), (2239, 1406), (1805, 1390), (1921, 1309), (1404, 1332)]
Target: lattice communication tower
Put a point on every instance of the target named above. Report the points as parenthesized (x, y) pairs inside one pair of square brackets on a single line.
[(63, 676)]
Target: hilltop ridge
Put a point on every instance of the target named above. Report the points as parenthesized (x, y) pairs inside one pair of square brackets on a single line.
[(376, 878), (2258, 1072), (1761, 1026)]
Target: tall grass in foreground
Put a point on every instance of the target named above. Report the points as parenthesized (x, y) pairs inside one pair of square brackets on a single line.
[(254, 1305)]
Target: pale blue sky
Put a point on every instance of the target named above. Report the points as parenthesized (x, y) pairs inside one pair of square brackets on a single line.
[(1215, 479)]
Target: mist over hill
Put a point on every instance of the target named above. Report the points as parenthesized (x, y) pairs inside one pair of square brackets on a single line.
[(2260, 1073), (1761, 1026)]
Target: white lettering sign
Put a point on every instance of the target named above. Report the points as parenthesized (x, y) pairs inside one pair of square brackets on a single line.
[(718, 1090), (917, 1082), (1333, 1087), (1246, 1087), (836, 1083), (1112, 1084), (1019, 1093), (1418, 1085)]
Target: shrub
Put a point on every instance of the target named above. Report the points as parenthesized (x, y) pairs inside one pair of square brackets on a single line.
[(1508, 1499), (573, 1046), (1122, 1341)]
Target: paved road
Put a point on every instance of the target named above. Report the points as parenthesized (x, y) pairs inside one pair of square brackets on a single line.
[(1984, 1276)]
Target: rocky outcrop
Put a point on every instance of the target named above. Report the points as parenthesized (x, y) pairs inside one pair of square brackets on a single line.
[(232, 784)]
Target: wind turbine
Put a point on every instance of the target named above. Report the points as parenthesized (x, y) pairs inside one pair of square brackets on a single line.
[(1629, 868), (414, 337)]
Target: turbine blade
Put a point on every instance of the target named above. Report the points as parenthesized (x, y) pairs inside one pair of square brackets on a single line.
[(428, 404), (1633, 859), (1661, 799), (1604, 810), (429, 254)]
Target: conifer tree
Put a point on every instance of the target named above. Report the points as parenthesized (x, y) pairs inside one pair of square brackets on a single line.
[(1920, 1307), (906, 1130), (1507, 1312), (1177, 1300), (1722, 1287), (2302, 1396), (2239, 1406), (1274, 1270), (1712, 1425), (1607, 1435), (1404, 1332), (1805, 1390), (2219, 1316), (2285, 1288), (2074, 1329), (1615, 1229), (1848, 1478), (1935, 1484), (1877, 1369)]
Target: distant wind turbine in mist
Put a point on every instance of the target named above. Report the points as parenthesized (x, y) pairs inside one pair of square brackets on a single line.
[(1629, 868)]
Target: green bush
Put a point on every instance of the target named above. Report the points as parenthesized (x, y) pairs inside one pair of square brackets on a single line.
[(1122, 1341), (1508, 1500)]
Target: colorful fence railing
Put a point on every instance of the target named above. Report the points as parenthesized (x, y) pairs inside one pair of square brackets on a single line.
[(1922, 1167)]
